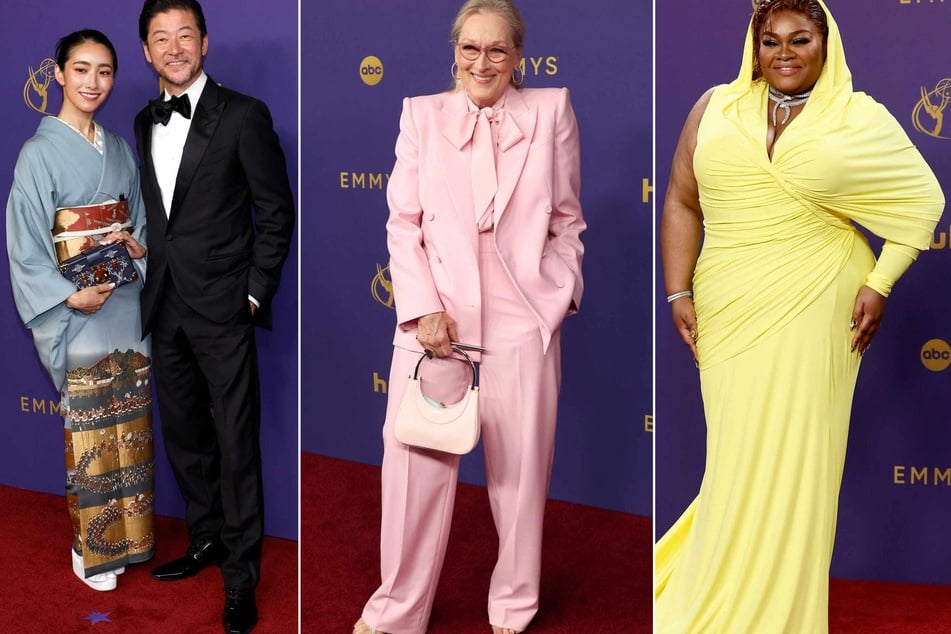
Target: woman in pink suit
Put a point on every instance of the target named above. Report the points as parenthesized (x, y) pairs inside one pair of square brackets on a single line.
[(484, 248)]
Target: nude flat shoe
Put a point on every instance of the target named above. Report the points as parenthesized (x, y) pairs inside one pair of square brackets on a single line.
[(102, 582), (361, 627)]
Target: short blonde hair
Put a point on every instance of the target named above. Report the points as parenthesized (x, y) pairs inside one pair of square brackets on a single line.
[(503, 8)]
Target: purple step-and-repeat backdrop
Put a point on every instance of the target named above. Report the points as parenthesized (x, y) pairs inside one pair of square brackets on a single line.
[(252, 49), (895, 506), (358, 61)]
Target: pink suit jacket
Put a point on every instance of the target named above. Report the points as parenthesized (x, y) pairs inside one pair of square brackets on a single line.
[(432, 233)]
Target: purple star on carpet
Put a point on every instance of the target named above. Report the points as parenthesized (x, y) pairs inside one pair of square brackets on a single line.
[(98, 617)]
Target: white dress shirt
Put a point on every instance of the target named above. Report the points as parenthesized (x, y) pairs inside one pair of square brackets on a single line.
[(168, 143)]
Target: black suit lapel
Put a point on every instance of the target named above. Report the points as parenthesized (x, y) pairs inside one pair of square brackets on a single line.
[(205, 119), (151, 193)]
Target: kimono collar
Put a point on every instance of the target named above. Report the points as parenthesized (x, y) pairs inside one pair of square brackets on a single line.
[(97, 141)]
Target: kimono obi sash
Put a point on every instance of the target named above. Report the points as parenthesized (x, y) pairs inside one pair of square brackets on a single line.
[(77, 229)]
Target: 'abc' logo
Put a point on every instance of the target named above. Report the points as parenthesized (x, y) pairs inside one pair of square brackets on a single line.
[(936, 355), (371, 70)]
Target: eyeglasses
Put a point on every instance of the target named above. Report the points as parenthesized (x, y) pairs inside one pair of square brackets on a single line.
[(496, 53)]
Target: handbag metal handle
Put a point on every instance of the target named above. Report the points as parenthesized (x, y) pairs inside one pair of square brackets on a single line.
[(457, 348)]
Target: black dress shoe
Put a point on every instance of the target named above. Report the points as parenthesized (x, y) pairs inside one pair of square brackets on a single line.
[(241, 614), (205, 552)]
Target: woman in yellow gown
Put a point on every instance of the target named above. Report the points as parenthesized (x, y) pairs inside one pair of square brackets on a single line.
[(770, 171)]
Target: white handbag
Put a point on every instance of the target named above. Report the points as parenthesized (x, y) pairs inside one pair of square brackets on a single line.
[(451, 428)]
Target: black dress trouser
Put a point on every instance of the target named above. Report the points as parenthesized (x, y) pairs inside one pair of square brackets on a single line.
[(206, 376)]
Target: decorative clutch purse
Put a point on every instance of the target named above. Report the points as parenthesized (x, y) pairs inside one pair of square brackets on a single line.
[(100, 264), (83, 259), (450, 428)]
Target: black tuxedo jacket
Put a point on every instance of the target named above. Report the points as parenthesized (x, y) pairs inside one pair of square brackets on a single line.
[(229, 229)]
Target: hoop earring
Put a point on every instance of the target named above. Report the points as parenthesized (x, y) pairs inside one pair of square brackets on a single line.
[(454, 71), (517, 79)]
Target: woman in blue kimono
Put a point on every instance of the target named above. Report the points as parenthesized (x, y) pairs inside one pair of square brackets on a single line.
[(77, 185)]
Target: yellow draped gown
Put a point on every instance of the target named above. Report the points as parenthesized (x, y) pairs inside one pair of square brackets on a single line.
[(774, 288)]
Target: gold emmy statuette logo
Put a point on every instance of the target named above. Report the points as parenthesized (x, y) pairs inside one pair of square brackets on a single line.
[(35, 93), (928, 115), (381, 287), (936, 354), (371, 70)]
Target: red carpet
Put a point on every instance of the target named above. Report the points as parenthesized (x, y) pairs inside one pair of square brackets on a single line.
[(866, 607), (596, 567), (39, 593), (596, 572), (596, 563)]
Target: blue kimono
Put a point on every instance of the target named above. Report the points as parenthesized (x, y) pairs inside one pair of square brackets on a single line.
[(98, 362)]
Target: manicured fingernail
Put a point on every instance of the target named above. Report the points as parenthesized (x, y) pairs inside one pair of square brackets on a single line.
[(852, 325)]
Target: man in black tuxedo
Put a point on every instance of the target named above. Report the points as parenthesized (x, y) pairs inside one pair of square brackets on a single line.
[(220, 216)]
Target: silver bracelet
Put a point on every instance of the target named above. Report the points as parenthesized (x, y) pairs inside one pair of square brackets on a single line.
[(671, 298)]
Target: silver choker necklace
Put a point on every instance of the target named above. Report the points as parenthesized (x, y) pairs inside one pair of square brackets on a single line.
[(786, 102)]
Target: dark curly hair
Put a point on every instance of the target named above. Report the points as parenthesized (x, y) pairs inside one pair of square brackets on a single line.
[(809, 8)]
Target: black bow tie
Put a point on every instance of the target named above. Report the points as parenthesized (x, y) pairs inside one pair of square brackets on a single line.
[(162, 110)]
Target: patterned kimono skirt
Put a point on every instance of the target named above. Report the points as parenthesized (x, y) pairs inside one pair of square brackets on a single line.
[(108, 407), (108, 426)]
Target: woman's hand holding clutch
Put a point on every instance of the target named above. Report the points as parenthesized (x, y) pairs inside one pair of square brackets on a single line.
[(134, 247), (90, 299)]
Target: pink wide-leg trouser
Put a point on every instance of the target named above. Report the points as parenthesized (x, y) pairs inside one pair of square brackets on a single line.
[(518, 400)]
